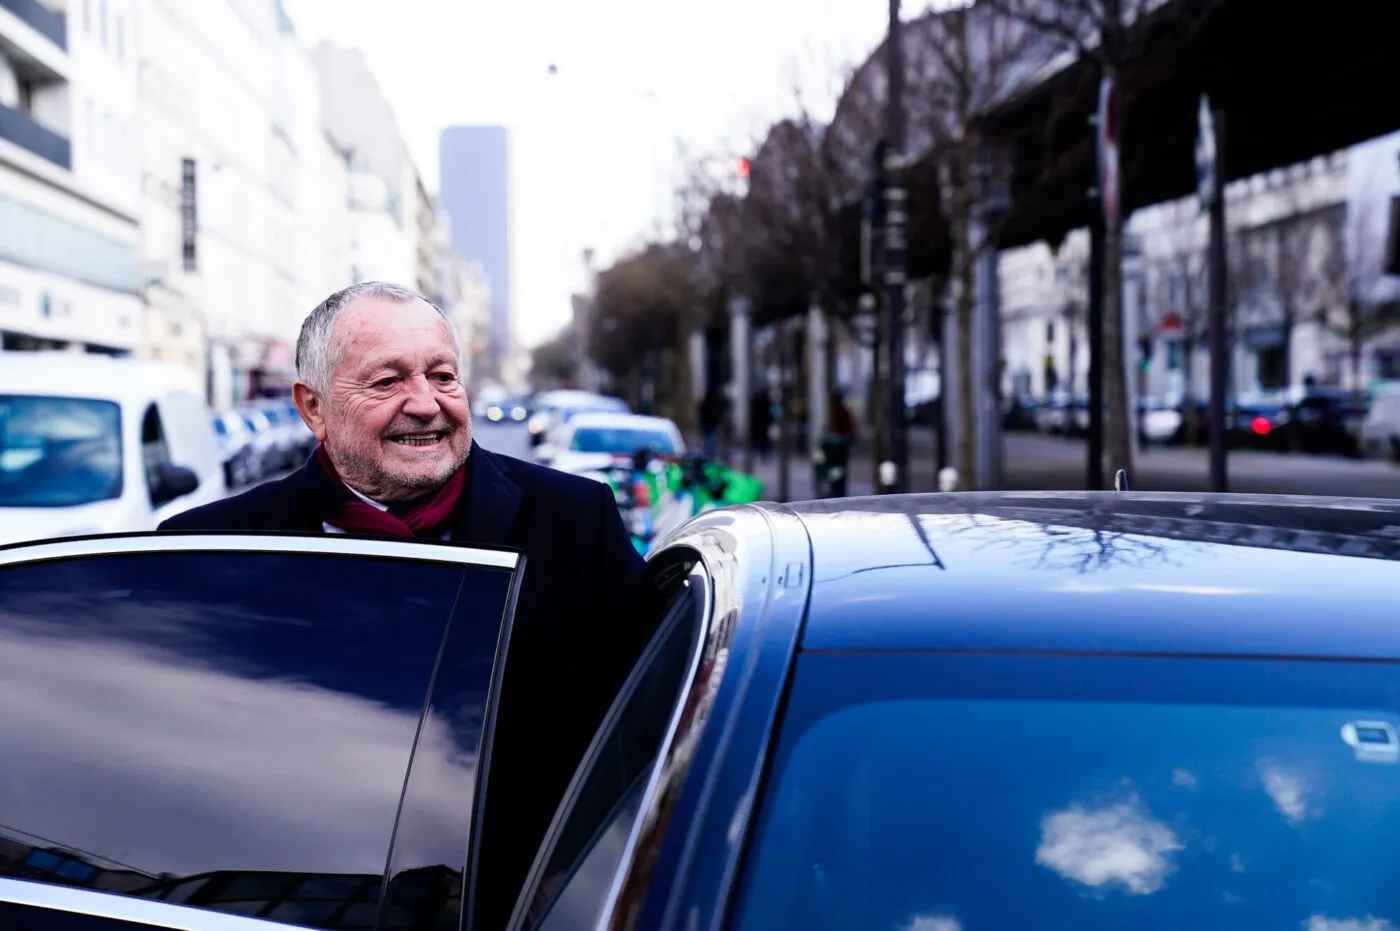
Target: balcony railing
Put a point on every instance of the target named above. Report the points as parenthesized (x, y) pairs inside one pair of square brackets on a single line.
[(44, 20), (27, 134)]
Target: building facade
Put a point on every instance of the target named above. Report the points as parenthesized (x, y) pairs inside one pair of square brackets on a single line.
[(237, 224), (1306, 302), (389, 234), (69, 176), (475, 191)]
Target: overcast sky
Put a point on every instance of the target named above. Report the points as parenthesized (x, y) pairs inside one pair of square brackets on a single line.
[(590, 142)]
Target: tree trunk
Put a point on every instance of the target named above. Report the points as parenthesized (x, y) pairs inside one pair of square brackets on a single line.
[(686, 414), (1118, 446), (966, 306)]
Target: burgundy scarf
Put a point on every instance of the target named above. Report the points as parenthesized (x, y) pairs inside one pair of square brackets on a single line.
[(340, 507)]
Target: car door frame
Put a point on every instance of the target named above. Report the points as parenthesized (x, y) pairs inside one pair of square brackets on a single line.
[(684, 850), (117, 907)]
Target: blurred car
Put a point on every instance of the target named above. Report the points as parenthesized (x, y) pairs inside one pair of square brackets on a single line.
[(1307, 419), (268, 449), (1380, 430), (875, 713), (1018, 412), (1159, 420), (242, 463), (589, 440), (94, 444), (553, 408), (289, 432), (1063, 413), (508, 410)]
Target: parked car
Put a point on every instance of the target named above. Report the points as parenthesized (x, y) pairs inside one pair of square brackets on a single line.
[(879, 713), (508, 410), (289, 432), (96, 444), (589, 440), (242, 462), (267, 450), (553, 408)]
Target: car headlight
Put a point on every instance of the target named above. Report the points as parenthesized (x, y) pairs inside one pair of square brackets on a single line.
[(494, 413)]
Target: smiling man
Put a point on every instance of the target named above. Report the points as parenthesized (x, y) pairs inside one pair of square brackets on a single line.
[(379, 383)]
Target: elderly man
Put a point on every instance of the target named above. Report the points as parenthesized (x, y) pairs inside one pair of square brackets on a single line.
[(379, 385)]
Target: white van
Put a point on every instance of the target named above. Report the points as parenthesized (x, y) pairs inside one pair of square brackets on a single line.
[(96, 444)]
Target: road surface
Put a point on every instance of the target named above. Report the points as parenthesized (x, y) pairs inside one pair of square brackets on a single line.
[(1035, 462)]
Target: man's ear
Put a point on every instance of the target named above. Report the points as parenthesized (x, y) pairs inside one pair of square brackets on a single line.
[(312, 408)]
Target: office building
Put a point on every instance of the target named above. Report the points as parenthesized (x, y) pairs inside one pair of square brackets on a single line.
[(474, 162)]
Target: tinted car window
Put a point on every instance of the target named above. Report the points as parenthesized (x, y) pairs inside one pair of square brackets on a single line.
[(232, 730), (570, 883), (923, 792), (57, 452), (620, 440)]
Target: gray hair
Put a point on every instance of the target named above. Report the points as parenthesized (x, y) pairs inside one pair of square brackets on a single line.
[(316, 361)]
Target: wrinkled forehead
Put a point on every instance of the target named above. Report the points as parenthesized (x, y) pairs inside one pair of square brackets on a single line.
[(379, 330)]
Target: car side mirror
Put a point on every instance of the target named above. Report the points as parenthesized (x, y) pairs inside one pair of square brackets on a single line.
[(173, 482)]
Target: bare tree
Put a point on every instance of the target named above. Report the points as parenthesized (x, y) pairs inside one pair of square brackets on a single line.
[(554, 363), (1103, 31), (1182, 301), (966, 59), (1367, 308)]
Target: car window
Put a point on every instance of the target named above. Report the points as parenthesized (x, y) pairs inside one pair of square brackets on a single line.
[(573, 873), (233, 730), (620, 440), (58, 452), (155, 451), (912, 792)]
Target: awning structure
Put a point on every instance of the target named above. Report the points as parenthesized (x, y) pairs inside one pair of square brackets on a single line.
[(1294, 80)]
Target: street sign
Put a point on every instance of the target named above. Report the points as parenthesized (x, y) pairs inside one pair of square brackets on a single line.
[(1205, 154), (1106, 125)]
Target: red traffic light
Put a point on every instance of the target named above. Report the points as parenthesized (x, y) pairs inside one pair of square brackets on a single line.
[(743, 169)]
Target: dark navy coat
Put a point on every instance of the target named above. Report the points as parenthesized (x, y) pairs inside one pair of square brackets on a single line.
[(584, 612)]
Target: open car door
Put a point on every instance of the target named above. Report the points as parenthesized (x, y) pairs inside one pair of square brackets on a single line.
[(211, 731)]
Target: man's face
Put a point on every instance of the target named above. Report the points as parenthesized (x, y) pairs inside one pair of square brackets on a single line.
[(396, 424)]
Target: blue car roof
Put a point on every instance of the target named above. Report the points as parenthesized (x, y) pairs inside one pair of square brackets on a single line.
[(1106, 573)]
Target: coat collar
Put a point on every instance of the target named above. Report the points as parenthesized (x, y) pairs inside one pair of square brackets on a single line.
[(492, 500)]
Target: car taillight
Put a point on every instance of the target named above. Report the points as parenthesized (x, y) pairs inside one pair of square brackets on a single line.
[(1261, 425), (642, 493)]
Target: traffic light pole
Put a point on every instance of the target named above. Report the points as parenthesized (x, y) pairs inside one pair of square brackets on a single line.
[(894, 476)]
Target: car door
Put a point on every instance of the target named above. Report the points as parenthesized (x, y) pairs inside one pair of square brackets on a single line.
[(200, 727), (574, 882)]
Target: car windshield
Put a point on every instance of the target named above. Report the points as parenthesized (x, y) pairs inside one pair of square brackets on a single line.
[(941, 793), (620, 440), (58, 452)]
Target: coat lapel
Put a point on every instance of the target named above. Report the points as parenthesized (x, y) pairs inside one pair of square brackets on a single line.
[(492, 501)]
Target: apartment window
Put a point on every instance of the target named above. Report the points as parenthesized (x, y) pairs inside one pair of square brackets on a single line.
[(26, 95), (102, 21), (121, 38), (87, 16), (110, 136)]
